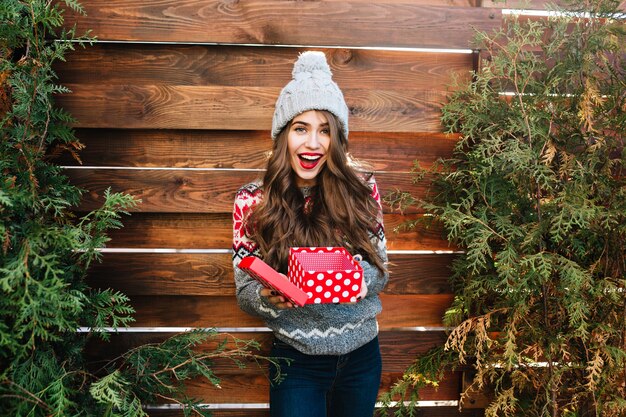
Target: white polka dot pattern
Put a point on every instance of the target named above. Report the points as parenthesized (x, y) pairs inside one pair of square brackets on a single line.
[(326, 274)]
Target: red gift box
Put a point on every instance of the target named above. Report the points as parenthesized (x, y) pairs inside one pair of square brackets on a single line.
[(326, 274), (270, 278)]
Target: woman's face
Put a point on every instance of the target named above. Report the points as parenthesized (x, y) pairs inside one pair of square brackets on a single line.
[(308, 141)]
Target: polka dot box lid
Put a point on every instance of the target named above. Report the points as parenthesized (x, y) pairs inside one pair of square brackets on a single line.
[(326, 274), (270, 278)]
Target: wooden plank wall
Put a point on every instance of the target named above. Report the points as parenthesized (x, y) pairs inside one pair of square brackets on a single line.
[(174, 105)]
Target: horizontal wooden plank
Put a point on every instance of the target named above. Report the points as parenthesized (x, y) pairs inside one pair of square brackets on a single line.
[(274, 22), (210, 65), (523, 4), (399, 311), (179, 191), (250, 385), (437, 411), (215, 231), (239, 108), (415, 232), (237, 387), (164, 190), (398, 348), (383, 151), (175, 231), (212, 274), (451, 3)]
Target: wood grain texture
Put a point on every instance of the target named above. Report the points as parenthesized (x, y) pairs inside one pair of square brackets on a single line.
[(274, 22), (214, 231), (383, 151), (238, 108), (422, 412), (170, 191), (415, 232), (174, 230), (399, 311), (238, 387), (176, 191), (228, 66), (399, 349), (212, 274), (187, 124), (518, 4)]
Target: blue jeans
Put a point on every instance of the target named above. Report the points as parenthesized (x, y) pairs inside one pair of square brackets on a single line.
[(326, 385)]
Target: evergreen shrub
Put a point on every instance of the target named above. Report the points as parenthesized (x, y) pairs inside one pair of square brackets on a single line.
[(535, 197), (46, 249)]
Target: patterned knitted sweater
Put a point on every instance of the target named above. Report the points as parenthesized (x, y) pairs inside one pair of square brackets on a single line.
[(315, 329)]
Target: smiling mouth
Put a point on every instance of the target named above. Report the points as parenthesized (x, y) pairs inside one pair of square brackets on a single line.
[(309, 160)]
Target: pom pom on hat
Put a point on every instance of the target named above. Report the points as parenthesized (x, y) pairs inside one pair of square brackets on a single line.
[(311, 88), (311, 61)]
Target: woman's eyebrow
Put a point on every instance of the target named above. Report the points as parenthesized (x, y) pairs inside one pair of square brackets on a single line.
[(308, 124)]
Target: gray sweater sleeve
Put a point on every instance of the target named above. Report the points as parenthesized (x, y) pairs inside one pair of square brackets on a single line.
[(374, 279), (249, 297)]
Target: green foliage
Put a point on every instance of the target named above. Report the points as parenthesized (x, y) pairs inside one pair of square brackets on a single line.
[(46, 251), (535, 195), (403, 397), (152, 373)]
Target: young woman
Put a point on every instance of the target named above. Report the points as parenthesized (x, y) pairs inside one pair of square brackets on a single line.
[(313, 194)]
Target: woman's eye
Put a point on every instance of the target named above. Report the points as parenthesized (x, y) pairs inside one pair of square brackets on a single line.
[(300, 129), (325, 132)]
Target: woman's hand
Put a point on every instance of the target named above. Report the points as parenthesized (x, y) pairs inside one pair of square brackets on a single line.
[(363, 291), (279, 301)]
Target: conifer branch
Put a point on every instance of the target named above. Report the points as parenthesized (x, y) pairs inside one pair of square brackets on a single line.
[(27, 396), (534, 197), (47, 251)]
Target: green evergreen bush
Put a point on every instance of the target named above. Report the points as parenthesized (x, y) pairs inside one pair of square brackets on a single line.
[(46, 250), (535, 196)]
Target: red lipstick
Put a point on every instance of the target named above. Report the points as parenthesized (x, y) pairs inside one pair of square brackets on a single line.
[(309, 160)]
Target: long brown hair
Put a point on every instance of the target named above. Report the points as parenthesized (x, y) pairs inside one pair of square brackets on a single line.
[(342, 213)]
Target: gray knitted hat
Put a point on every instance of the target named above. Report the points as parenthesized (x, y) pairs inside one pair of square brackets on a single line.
[(312, 88)]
